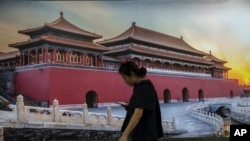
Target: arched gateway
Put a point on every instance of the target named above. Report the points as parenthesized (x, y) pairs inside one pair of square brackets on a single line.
[(185, 95), (91, 99), (167, 96), (231, 94), (201, 95)]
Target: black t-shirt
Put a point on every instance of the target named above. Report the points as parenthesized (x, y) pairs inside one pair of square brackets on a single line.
[(150, 125)]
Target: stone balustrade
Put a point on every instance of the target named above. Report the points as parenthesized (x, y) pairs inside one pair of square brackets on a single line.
[(200, 111), (175, 72), (169, 125), (23, 113), (241, 113), (54, 117)]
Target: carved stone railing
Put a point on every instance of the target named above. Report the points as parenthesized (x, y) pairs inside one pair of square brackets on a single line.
[(200, 111), (54, 116), (175, 72), (241, 112), (169, 125), (240, 108)]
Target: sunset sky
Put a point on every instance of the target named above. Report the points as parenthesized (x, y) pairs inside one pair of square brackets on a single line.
[(219, 26)]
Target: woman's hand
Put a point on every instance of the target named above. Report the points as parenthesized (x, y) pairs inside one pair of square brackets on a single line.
[(132, 124), (123, 104), (123, 138)]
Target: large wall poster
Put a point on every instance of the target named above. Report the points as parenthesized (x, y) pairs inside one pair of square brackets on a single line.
[(218, 27)]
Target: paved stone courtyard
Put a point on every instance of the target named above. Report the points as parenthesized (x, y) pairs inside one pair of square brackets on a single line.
[(194, 127)]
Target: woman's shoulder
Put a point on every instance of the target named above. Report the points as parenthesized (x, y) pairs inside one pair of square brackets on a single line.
[(144, 81), (144, 85)]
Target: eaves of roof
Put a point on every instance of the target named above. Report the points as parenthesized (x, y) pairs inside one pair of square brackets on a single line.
[(63, 25), (220, 67), (60, 40), (210, 57), (152, 37), (106, 58), (151, 52), (9, 55)]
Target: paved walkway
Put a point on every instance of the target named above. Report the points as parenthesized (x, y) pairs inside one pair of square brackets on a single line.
[(184, 120)]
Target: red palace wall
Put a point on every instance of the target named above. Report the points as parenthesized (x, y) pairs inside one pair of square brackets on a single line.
[(211, 87), (33, 83), (70, 86)]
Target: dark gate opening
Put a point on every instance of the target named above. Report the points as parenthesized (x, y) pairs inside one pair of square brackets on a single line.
[(167, 96), (185, 95), (201, 95), (92, 99)]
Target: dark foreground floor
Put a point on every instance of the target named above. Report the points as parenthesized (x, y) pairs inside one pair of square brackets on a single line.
[(170, 139), (37, 134)]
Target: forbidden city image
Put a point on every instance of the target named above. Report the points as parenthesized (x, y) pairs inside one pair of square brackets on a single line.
[(59, 64)]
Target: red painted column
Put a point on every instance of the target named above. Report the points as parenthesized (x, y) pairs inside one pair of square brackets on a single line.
[(83, 59), (64, 56), (46, 54), (37, 56), (101, 61), (67, 57), (28, 57), (54, 56), (42, 55), (96, 61), (80, 57), (21, 58)]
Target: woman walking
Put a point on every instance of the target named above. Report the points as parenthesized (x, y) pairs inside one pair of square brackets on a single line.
[(143, 118)]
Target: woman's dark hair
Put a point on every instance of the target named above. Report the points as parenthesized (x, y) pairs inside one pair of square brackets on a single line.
[(128, 67)]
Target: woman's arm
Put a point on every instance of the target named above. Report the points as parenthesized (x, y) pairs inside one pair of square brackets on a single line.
[(132, 124), (123, 104)]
